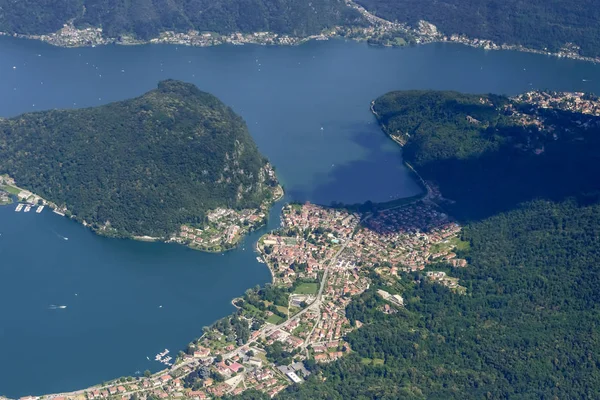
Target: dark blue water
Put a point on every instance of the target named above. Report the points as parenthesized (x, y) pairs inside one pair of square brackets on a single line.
[(286, 95)]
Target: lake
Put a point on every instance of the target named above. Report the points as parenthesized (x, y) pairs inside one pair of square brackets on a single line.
[(307, 108)]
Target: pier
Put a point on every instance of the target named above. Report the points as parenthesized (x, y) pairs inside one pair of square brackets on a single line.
[(39, 209), (160, 357), (19, 208)]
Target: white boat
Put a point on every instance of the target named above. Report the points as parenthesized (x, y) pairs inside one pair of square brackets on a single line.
[(27, 208)]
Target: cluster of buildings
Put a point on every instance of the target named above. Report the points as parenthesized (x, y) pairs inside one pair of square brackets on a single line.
[(203, 39), (407, 238), (4, 198), (576, 102), (224, 227), (308, 237), (329, 245), (70, 36), (442, 278)]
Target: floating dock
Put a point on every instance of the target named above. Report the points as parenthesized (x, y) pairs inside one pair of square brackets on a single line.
[(27, 208), (58, 212), (19, 207), (39, 209)]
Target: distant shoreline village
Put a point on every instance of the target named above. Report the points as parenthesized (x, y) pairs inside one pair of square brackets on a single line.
[(380, 32)]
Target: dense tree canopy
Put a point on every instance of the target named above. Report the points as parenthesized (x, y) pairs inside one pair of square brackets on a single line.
[(141, 166), (490, 165)]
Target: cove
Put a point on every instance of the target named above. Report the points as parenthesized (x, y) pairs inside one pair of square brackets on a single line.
[(307, 108)]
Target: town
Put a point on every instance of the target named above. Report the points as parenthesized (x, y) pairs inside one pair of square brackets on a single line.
[(320, 258), (575, 102)]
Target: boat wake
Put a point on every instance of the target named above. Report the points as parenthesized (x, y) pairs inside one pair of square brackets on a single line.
[(60, 236), (55, 307)]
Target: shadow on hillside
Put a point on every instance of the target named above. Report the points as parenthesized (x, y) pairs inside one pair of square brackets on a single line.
[(498, 181)]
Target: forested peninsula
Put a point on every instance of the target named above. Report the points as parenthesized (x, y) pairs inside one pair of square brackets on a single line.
[(140, 167), (520, 174)]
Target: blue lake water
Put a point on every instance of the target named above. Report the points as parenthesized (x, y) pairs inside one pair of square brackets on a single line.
[(307, 108)]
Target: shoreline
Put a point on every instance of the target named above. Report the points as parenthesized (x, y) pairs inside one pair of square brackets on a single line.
[(374, 33), (297, 41), (279, 193), (259, 250)]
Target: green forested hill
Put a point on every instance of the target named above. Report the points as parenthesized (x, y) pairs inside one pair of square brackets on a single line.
[(533, 23), (141, 166), (146, 18), (490, 164), (528, 325)]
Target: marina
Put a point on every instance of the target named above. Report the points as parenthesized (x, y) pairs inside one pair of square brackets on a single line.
[(163, 358), (25, 207)]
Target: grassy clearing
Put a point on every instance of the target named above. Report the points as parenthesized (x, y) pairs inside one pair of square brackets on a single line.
[(11, 189), (460, 244), (274, 319), (307, 288), (282, 309)]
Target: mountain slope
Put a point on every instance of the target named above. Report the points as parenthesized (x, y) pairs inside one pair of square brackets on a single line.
[(141, 166), (145, 19)]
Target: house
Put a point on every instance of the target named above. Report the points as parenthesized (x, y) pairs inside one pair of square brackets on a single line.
[(207, 382), (201, 352), (197, 395), (235, 367)]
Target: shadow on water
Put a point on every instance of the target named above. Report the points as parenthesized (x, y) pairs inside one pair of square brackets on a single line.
[(377, 183)]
